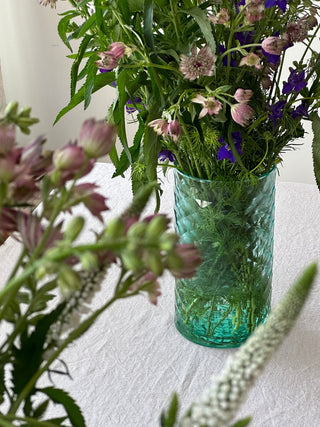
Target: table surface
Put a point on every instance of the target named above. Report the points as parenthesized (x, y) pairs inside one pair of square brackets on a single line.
[(127, 366)]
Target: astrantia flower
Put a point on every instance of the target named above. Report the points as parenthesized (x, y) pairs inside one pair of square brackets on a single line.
[(252, 60), (276, 111), (198, 63), (296, 82), (282, 4), (295, 33), (222, 17), (243, 95), (93, 201), (210, 105), (274, 45), (97, 138), (69, 158), (242, 113), (225, 151), (107, 61), (174, 130), (160, 126), (52, 3), (254, 10)]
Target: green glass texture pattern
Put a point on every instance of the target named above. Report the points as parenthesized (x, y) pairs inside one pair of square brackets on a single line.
[(232, 223)]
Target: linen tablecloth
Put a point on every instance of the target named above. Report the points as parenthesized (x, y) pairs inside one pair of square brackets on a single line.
[(127, 366)]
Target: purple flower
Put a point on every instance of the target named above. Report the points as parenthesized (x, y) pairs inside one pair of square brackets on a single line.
[(225, 151), (240, 3), (300, 111), (276, 111), (166, 154), (222, 49), (129, 107), (296, 82), (282, 4), (246, 37), (273, 59)]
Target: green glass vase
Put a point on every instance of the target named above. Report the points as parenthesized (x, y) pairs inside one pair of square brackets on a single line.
[(232, 223)]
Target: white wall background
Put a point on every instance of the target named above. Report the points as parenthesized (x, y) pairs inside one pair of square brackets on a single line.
[(35, 72)]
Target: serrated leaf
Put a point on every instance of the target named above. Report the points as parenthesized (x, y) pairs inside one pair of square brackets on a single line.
[(41, 409), (63, 27), (72, 409), (316, 147), (100, 81), (148, 23), (242, 423), (76, 64), (204, 25), (89, 84), (99, 14), (169, 418)]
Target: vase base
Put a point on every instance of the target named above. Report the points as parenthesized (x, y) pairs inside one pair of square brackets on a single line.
[(214, 342)]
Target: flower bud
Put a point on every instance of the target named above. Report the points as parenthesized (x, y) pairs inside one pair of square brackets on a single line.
[(137, 229), (132, 261), (156, 227), (97, 138), (168, 241), (70, 157), (68, 280), (174, 130), (11, 109), (74, 228), (115, 228), (154, 263), (88, 260)]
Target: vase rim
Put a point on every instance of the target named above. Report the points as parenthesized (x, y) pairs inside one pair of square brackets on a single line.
[(260, 177)]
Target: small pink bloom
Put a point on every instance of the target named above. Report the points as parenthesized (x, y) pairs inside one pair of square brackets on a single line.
[(160, 126), (107, 61), (221, 17), (69, 158), (198, 63), (7, 139), (242, 113), (274, 45), (295, 33), (117, 49), (243, 95), (254, 10), (210, 105), (95, 202), (190, 260), (252, 60), (148, 283), (97, 138), (174, 130)]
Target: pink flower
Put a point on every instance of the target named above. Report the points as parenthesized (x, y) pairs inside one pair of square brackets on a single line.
[(252, 60), (254, 10), (210, 105), (69, 158), (174, 130), (117, 49), (243, 95), (242, 113), (97, 138), (7, 139), (190, 259), (160, 126), (274, 45), (198, 63), (221, 17), (148, 283), (95, 202), (107, 61)]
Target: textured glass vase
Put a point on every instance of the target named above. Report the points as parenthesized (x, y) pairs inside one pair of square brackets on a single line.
[(232, 223)]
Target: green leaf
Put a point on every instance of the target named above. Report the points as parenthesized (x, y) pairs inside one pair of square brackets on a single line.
[(76, 64), (118, 109), (151, 145), (168, 419), (242, 423), (99, 14), (41, 409), (28, 357), (89, 84), (61, 397), (81, 31), (148, 23), (204, 25), (100, 81), (316, 146), (63, 26), (123, 162)]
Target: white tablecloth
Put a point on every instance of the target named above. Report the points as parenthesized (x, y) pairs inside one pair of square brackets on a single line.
[(127, 366)]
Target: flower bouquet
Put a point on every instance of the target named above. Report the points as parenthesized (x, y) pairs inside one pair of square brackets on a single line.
[(214, 96)]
